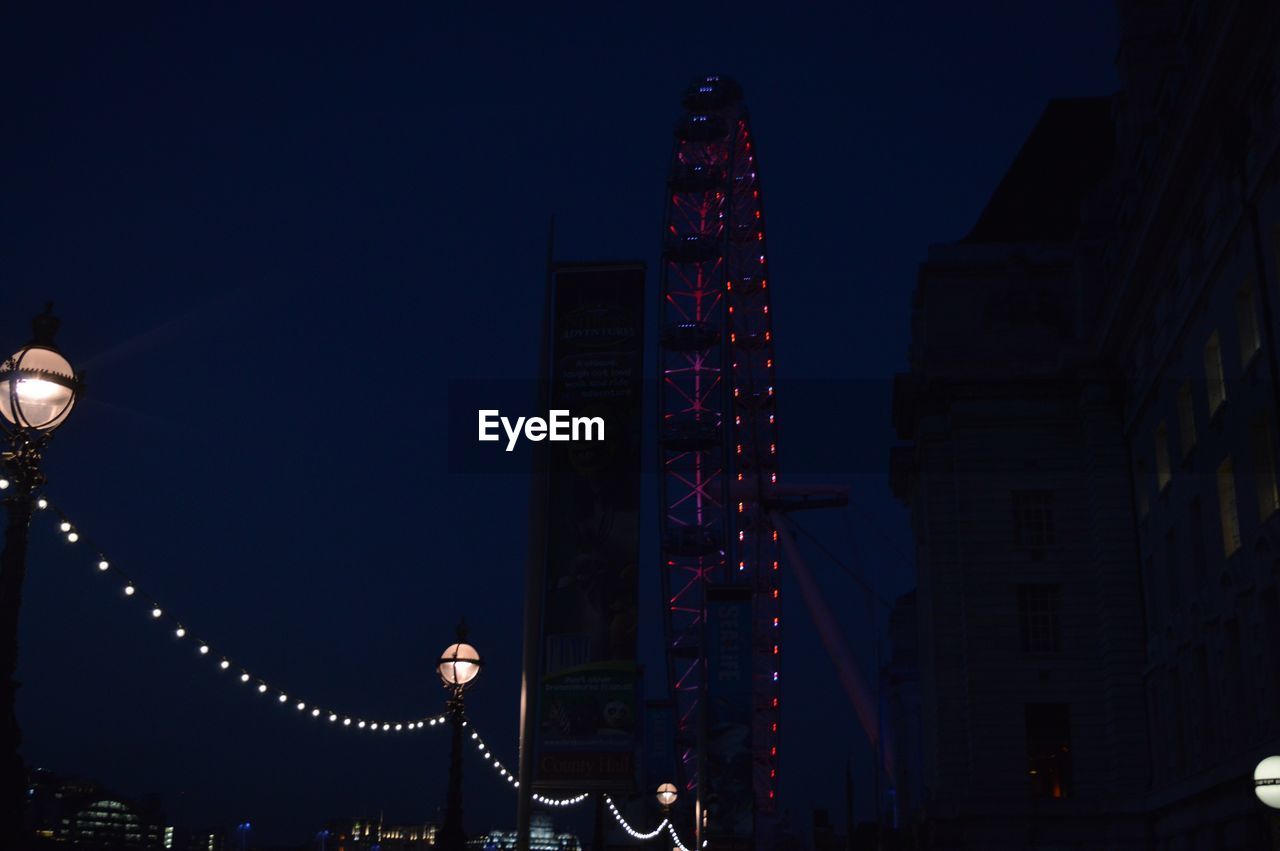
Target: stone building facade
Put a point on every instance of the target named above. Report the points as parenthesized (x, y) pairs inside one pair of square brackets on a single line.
[(1030, 650), (1089, 430), (1187, 317)]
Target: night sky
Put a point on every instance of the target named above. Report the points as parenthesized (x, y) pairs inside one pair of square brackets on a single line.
[(275, 232)]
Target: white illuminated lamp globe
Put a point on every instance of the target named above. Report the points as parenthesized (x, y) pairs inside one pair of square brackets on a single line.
[(1266, 782), (667, 794), (459, 664), (37, 384)]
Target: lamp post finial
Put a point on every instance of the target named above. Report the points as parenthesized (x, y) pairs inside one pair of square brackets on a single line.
[(44, 326)]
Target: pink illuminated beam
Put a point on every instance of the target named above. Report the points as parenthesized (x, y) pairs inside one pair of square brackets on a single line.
[(855, 686)]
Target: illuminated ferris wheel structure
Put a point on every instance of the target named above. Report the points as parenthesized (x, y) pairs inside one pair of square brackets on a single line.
[(718, 428)]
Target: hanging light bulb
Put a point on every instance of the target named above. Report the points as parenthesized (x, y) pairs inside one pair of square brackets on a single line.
[(102, 565), (244, 678), (155, 613), (204, 650), (262, 688), (64, 526), (180, 632), (224, 664), (129, 590), (42, 503), (72, 537)]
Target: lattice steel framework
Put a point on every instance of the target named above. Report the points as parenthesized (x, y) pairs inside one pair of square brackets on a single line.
[(718, 430)]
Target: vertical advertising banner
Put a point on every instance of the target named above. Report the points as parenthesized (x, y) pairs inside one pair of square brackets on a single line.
[(729, 799), (589, 713)]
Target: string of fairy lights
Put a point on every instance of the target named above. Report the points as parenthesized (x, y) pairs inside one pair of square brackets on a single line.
[(665, 824), (206, 650), (130, 590), (635, 834), (574, 800)]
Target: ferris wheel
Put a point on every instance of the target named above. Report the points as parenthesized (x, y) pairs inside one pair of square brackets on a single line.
[(718, 436)]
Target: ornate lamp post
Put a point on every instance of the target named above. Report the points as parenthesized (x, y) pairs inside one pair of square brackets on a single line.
[(1266, 782), (38, 388), (667, 795), (459, 665)]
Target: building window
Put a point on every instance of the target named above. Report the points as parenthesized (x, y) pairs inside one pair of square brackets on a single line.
[(1271, 623), (1154, 615), (1247, 320), (1033, 518), (1177, 731), (1163, 473), (1207, 730), (1215, 384), (1237, 702), (1039, 618), (1140, 487), (1227, 507), (1049, 749), (1186, 419), (1264, 460), (1195, 525), (1155, 721)]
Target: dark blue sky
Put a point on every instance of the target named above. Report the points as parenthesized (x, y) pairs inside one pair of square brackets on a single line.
[(274, 232)]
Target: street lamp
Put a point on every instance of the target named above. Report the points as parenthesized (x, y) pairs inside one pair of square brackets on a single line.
[(38, 388), (458, 667), (667, 796), (1266, 782)]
